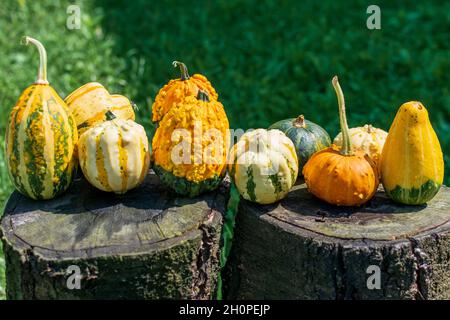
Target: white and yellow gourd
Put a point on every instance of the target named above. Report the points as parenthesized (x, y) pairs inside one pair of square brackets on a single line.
[(368, 139), (90, 103), (264, 165), (114, 155)]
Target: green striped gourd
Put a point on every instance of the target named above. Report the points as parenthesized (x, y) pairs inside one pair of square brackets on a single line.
[(41, 138), (263, 165), (308, 137), (114, 155)]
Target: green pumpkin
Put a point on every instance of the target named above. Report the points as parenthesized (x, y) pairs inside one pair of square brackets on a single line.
[(308, 137)]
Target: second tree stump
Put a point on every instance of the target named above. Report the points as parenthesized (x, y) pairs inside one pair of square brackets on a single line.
[(303, 248)]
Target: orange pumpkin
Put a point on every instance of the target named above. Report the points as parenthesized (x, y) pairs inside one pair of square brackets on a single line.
[(176, 90), (339, 175)]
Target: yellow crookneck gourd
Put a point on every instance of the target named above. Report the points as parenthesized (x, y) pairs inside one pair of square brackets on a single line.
[(90, 103), (412, 165), (41, 138)]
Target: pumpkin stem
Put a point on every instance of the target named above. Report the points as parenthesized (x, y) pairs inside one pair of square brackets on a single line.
[(203, 96), (346, 142), (299, 122), (369, 128), (109, 115), (183, 69), (42, 75)]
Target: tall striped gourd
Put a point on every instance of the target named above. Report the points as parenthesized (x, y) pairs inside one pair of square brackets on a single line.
[(114, 155), (263, 165), (90, 103), (412, 165), (40, 138)]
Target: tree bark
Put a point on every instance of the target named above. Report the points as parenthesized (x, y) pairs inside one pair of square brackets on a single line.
[(303, 248), (146, 244)]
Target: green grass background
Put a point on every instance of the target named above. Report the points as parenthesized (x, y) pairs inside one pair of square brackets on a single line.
[(268, 60)]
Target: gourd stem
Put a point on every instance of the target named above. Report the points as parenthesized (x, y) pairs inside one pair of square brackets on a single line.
[(42, 75), (109, 115), (346, 142), (299, 122), (183, 69)]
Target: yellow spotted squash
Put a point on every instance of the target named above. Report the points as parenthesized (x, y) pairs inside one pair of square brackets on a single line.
[(412, 163), (190, 145), (176, 90)]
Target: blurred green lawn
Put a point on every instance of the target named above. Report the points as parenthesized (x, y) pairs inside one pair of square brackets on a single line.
[(268, 60)]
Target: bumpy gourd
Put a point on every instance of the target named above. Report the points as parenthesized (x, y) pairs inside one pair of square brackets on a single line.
[(114, 155), (412, 165), (90, 103), (41, 138), (308, 137), (339, 175), (368, 139), (190, 145), (176, 90), (263, 165)]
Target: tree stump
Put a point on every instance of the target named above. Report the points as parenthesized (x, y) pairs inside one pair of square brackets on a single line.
[(303, 248), (146, 244)]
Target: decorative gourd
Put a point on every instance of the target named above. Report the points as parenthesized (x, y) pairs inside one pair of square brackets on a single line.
[(340, 175), (264, 165), (190, 145), (90, 103), (40, 138), (176, 90), (368, 139), (412, 165), (114, 155), (308, 137)]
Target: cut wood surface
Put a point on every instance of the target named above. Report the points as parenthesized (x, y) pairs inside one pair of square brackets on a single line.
[(147, 243), (304, 248)]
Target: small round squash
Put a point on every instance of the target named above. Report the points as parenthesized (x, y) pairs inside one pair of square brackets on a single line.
[(368, 139), (308, 137), (176, 90), (339, 175), (114, 155), (263, 165)]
